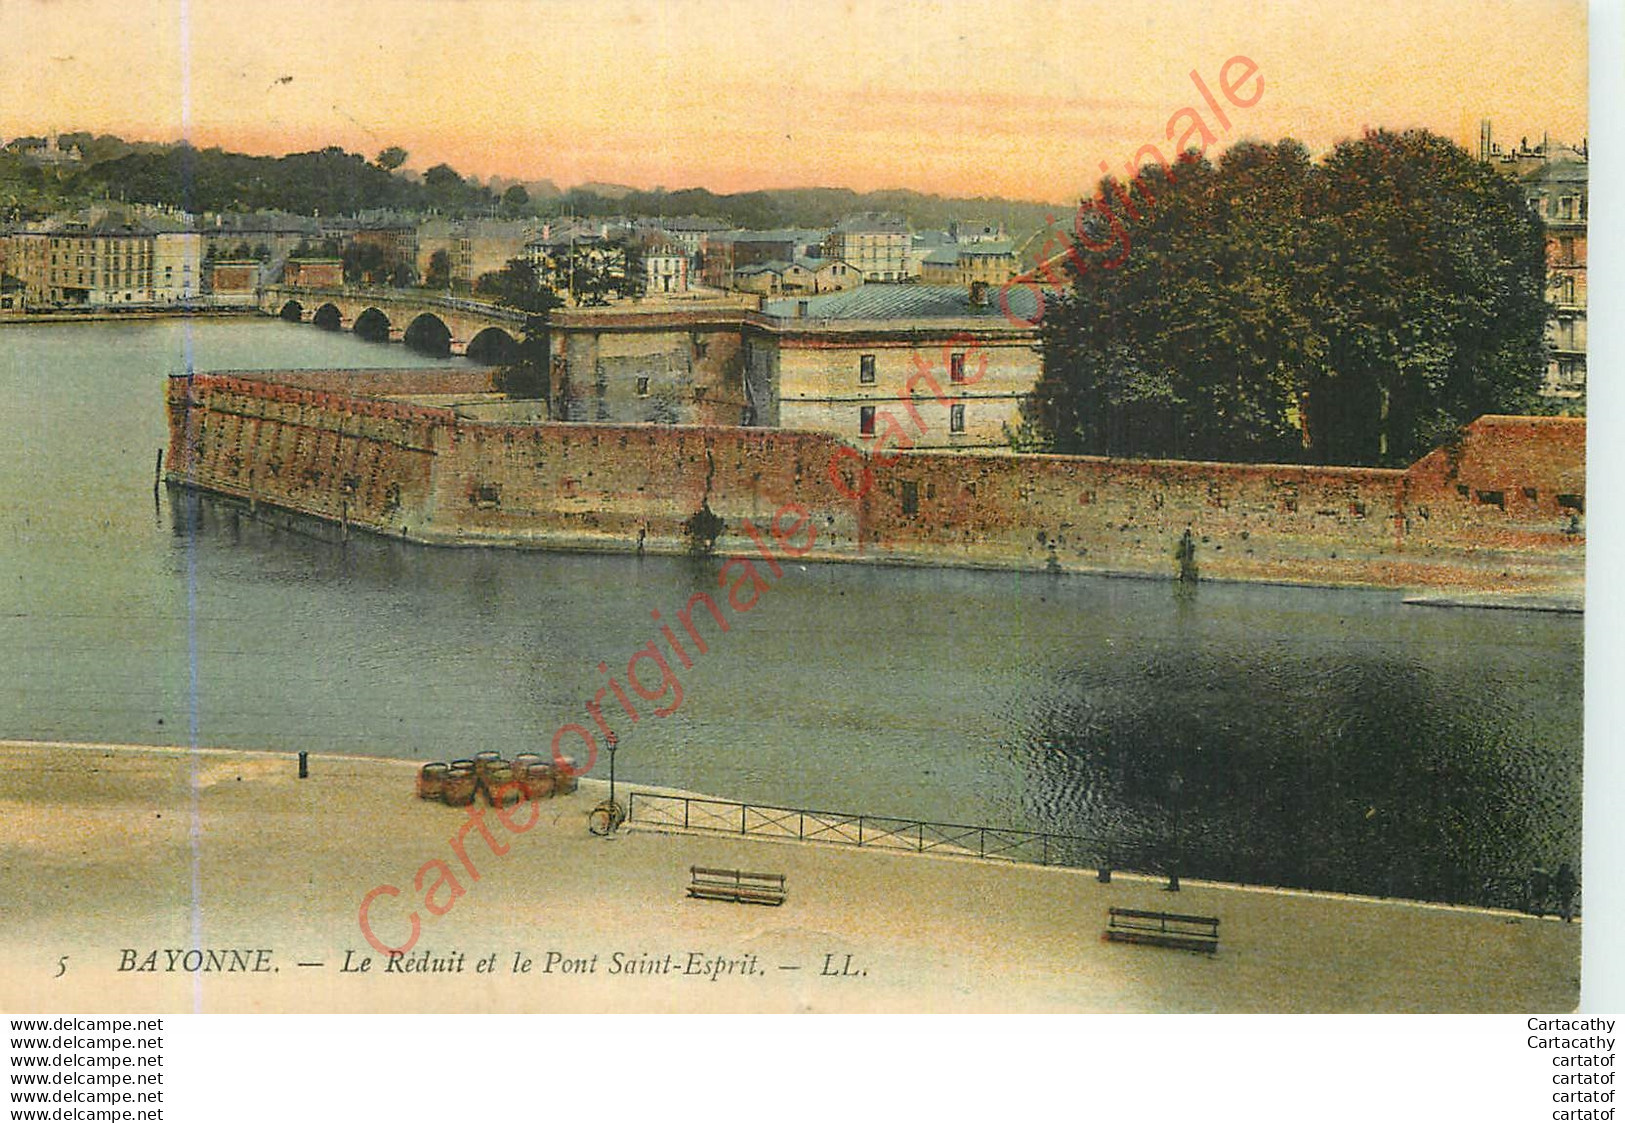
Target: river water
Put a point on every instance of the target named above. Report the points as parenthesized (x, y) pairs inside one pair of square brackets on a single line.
[(1322, 738)]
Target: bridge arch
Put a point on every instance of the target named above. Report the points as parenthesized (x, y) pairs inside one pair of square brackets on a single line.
[(292, 311), (428, 333), (327, 317), (493, 345), (372, 325)]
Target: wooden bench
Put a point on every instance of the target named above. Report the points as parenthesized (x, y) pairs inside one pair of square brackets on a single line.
[(1163, 929), (736, 885)]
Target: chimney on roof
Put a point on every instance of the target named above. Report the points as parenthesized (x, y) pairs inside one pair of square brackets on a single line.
[(978, 294)]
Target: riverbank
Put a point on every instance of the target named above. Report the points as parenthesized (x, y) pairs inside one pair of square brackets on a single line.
[(116, 849), (105, 315)]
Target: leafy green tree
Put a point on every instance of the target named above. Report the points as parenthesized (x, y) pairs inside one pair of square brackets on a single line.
[(391, 158), (527, 373), (515, 199), (1368, 306), (1430, 297), (439, 274), (363, 263), (515, 286)]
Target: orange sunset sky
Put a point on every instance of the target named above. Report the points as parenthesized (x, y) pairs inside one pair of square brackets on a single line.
[(1018, 99)]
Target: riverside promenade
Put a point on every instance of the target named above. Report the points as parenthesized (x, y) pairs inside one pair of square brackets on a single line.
[(114, 854)]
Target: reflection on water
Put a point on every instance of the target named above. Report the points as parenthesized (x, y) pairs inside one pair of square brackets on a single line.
[(1321, 738)]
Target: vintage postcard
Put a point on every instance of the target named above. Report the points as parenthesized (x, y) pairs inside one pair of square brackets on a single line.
[(713, 506)]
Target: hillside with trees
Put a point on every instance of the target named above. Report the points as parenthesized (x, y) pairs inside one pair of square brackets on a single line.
[(332, 182)]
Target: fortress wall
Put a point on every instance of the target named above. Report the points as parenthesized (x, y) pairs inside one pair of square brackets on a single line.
[(424, 473)]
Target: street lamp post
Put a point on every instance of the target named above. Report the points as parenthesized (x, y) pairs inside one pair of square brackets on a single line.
[(610, 740)]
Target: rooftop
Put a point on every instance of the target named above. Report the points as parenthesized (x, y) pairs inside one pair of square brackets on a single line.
[(987, 249), (871, 224), (788, 234), (694, 223), (911, 302)]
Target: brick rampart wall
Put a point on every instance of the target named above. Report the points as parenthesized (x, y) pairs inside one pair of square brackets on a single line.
[(377, 382), (426, 474)]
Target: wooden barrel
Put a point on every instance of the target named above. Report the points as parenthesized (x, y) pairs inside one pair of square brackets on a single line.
[(564, 776), (432, 780), (523, 761), (463, 765), (485, 761), (499, 785), (537, 778), (459, 787)]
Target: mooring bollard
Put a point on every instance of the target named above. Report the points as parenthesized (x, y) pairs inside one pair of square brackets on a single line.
[(304, 765)]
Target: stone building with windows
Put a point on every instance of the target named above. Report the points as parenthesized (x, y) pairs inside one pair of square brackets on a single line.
[(665, 269), (1557, 191), (107, 261), (927, 361), (877, 244), (804, 274), (1554, 178), (474, 246), (987, 263)]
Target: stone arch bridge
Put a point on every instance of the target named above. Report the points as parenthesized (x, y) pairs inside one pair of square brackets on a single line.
[(440, 325)]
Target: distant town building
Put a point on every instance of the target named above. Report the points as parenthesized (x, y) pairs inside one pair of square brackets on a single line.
[(107, 260), (396, 240), (232, 282), (753, 247), (51, 153), (314, 272), (270, 237), (1555, 182), (475, 246), (805, 274), (717, 260), (968, 231), (665, 269), (926, 243), (691, 233), (988, 263), (177, 266), (877, 244), (1558, 191)]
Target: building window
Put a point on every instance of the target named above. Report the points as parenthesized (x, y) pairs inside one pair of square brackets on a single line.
[(700, 347), (866, 369), (643, 386), (956, 418), (911, 497), (866, 421), (956, 366)]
